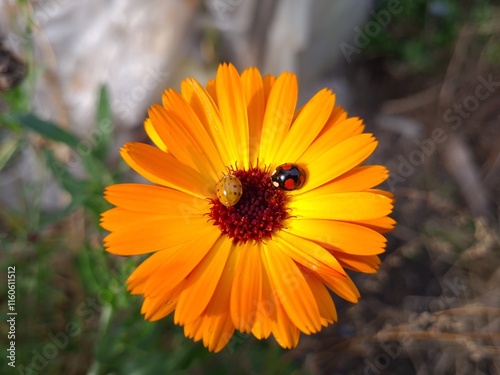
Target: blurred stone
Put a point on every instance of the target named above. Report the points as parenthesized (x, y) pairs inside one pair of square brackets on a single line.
[(131, 47), (406, 126), (302, 36), (134, 48)]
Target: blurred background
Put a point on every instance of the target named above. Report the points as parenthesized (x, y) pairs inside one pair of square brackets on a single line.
[(76, 79)]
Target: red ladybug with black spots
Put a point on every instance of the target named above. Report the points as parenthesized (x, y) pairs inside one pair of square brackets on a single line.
[(288, 177)]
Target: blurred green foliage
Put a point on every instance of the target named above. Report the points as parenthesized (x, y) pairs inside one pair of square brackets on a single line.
[(422, 36)]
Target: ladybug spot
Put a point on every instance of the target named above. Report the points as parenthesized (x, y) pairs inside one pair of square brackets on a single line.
[(289, 184)]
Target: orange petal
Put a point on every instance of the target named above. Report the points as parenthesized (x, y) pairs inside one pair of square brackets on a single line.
[(179, 142), (266, 306), (148, 268), (382, 225), (202, 282), (341, 236), (164, 270), (323, 299), (164, 169), (220, 327), (247, 287), (159, 307), (122, 219), (306, 127), (291, 288), (337, 160), (388, 194), (271, 317), (153, 135), (357, 179), (268, 83), (147, 233), (365, 264), (233, 111), (253, 88), (217, 331), (155, 200), (278, 117), (337, 116), (335, 134), (341, 206), (284, 330), (309, 254), (194, 330), (343, 287), (186, 118), (208, 113), (215, 326), (211, 90)]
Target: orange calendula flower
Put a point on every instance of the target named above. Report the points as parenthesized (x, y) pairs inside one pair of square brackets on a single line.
[(256, 211)]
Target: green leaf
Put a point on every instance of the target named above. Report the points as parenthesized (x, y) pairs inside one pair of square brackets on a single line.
[(103, 107), (102, 138), (17, 99), (48, 130), (97, 171), (76, 187), (7, 150)]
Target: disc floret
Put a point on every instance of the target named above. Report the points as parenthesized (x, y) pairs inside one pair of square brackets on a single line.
[(259, 213)]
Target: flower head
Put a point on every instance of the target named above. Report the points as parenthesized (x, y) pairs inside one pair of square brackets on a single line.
[(249, 252)]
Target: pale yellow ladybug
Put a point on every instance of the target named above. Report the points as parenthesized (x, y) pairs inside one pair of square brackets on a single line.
[(229, 190)]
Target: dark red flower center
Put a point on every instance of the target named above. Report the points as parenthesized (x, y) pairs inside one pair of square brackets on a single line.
[(260, 211)]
